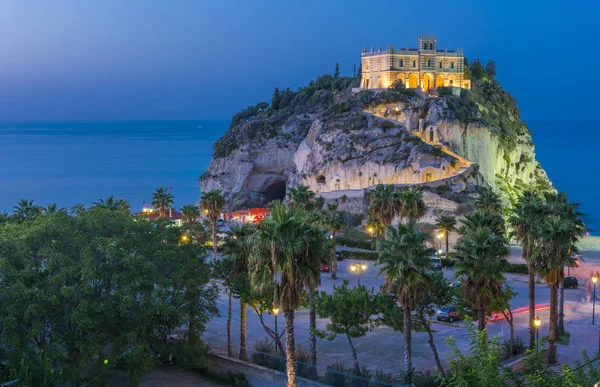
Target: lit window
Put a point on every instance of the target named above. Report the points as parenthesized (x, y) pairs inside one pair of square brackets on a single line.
[(451, 65)]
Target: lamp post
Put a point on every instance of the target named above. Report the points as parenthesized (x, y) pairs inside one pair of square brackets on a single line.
[(440, 236), (358, 268), (537, 322), (276, 312), (594, 280)]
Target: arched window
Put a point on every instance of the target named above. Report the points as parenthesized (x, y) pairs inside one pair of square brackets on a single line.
[(401, 63), (428, 62), (424, 45), (321, 180), (451, 65), (414, 63), (431, 135), (440, 65), (431, 46), (366, 65)]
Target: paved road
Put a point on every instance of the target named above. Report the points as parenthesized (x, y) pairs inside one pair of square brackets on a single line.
[(382, 348)]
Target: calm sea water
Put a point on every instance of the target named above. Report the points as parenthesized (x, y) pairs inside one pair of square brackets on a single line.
[(79, 162)]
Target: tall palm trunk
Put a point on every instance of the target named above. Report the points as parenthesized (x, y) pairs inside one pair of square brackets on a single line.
[(427, 327), (214, 241), (229, 317), (531, 272), (561, 308), (290, 347), (243, 351), (356, 367), (313, 336), (407, 343), (552, 325), (386, 233), (377, 241), (481, 323), (334, 258), (447, 244)]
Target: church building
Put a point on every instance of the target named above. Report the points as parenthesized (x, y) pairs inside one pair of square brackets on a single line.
[(424, 67)]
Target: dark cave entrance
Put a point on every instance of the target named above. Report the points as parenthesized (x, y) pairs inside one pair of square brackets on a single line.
[(275, 191)]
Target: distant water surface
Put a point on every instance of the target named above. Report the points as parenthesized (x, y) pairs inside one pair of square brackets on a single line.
[(78, 162)]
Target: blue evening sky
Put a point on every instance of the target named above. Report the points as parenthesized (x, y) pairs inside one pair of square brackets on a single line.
[(199, 59)]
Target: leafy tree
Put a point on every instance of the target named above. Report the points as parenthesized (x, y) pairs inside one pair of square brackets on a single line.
[(25, 210), (374, 228), (476, 70), (447, 224), (480, 261), (336, 73), (275, 99), (490, 69), (190, 213), (261, 302), (287, 250), (163, 200), (385, 204), (398, 84), (350, 312), (403, 260), (301, 198), (213, 203), (527, 213)]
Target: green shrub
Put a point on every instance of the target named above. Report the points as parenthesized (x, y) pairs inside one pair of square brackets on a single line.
[(265, 355), (356, 238), (443, 90), (518, 347), (517, 268), (362, 255), (339, 108), (387, 125)]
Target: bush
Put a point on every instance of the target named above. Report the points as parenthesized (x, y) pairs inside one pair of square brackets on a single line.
[(518, 347), (357, 239), (443, 90), (517, 268), (265, 355), (339, 108), (387, 125)]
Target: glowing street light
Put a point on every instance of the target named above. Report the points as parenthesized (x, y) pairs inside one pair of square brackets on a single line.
[(358, 268), (276, 312), (537, 322), (185, 238)]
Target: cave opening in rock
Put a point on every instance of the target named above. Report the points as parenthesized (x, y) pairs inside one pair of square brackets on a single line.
[(275, 191)]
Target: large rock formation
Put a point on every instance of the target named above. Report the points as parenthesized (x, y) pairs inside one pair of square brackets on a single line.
[(341, 143)]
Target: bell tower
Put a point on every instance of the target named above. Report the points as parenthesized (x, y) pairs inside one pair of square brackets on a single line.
[(427, 44)]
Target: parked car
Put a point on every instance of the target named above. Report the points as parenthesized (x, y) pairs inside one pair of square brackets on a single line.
[(570, 282), (436, 263), (339, 255), (447, 313), (325, 268)]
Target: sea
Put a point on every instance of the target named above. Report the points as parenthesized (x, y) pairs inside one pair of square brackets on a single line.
[(72, 163)]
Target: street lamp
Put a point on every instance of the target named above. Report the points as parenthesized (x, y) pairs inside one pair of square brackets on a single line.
[(440, 236), (538, 323), (275, 312), (358, 268), (185, 238), (594, 280)]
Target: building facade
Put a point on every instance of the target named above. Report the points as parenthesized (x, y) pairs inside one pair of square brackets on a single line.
[(424, 67)]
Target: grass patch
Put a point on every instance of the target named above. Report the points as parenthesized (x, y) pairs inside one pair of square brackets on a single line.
[(564, 338)]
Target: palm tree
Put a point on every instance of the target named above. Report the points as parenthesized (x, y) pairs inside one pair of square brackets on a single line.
[(333, 220), (556, 241), (113, 204), (446, 224), (190, 213), (527, 213), (403, 260), (489, 201), (385, 204), (237, 245), (163, 200), (375, 228), (480, 261), (223, 270), (287, 250), (301, 198), (412, 204), (25, 210), (212, 203), (558, 204), (480, 218)]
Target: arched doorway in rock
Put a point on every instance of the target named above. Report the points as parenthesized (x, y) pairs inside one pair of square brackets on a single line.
[(275, 191), (439, 81), (413, 81), (321, 181), (427, 82)]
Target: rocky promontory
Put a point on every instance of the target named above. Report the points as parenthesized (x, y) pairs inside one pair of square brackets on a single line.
[(340, 142)]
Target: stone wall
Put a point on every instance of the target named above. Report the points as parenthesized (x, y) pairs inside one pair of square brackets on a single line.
[(220, 365)]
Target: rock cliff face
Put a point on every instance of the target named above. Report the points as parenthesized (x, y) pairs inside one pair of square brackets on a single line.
[(341, 143)]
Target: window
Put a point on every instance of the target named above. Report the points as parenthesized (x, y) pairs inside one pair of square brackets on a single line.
[(431, 46), (338, 184), (425, 46), (428, 177), (414, 63), (451, 65), (440, 65), (401, 64), (428, 62), (366, 65)]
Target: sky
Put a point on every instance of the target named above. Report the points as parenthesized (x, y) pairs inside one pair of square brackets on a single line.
[(199, 59)]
